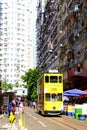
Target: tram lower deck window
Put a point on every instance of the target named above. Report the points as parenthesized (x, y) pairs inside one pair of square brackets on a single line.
[(47, 96), (53, 97), (59, 96)]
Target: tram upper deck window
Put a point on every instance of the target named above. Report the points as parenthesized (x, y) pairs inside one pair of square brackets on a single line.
[(46, 79), (60, 79), (53, 79)]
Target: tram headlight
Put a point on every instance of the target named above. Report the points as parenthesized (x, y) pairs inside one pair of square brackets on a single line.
[(54, 108)]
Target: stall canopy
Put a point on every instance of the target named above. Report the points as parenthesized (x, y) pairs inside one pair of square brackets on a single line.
[(75, 91), (70, 94), (66, 98)]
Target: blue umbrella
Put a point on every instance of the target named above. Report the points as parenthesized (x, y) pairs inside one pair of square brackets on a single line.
[(70, 94), (66, 98), (75, 91)]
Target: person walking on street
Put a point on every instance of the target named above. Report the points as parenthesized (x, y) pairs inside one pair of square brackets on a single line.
[(9, 108), (34, 105), (13, 109), (21, 108)]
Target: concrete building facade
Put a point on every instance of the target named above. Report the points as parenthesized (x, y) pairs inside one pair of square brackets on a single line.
[(62, 43)]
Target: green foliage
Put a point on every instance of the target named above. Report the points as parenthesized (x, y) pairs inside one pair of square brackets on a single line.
[(30, 78), (34, 94), (5, 86), (16, 84)]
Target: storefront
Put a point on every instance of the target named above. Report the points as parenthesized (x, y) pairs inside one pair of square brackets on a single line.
[(76, 79)]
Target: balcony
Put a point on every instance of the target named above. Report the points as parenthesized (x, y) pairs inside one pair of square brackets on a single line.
[(78, 48), (85, 53), (85, 36), (79, 59)]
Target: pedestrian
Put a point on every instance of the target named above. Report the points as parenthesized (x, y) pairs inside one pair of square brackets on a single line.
[(30, 104), (13, 109), (9, 108), (34, 105), (21, 108), (14, 102)]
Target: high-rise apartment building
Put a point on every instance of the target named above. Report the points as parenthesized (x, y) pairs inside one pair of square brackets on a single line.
[(62, 40), (17, 47)]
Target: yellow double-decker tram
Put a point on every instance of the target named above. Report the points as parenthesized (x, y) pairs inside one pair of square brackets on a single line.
[(50, 94)]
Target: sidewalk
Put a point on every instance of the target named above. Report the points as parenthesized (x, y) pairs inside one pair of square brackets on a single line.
[(6, 125)]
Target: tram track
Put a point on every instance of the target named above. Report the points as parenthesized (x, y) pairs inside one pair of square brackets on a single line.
[(70, 123), (63, 123), (72, 119)]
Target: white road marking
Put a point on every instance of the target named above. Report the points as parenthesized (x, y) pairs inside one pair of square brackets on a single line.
[(42, 123), (34, 117), (29, 114), (10, 126)]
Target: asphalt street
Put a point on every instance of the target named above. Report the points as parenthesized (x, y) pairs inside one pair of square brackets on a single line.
[(6, 125)]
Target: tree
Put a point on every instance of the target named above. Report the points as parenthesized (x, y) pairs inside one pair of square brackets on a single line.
[(30, 78), (16, 84), (6, 86)]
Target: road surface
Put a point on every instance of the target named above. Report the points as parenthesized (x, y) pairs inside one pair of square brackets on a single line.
[(31, 120)]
